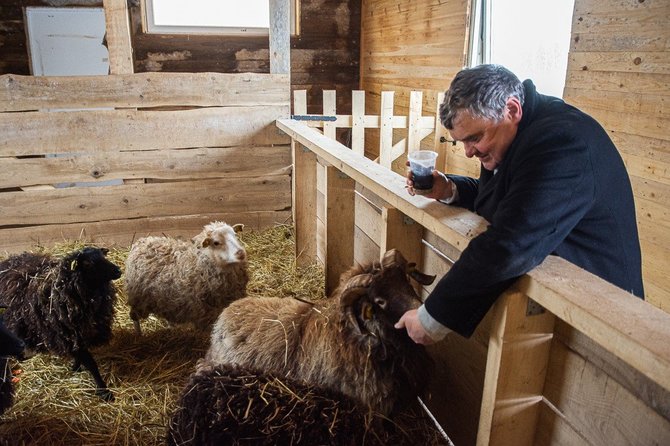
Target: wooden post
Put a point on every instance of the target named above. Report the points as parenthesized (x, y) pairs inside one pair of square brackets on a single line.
[(516, 367), (117, 35), (358, 122), (303, 203), (402, 233), (329, 109), (339, 224), (280, 37), (386, 130)]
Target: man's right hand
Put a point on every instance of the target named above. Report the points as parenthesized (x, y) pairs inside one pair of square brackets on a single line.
[(441, 186)]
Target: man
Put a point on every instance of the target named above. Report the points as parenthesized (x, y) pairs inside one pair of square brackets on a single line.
[(551, 182)]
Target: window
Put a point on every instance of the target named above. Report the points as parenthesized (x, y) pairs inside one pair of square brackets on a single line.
[(530, 37), (251, 17)]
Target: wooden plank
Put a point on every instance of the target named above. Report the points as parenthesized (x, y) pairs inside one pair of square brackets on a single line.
[(365, 249), (654, 62), (368, 219), (650, 393), (635, 83), (413, 131), (39, 133), (300, 102), (515, 372), (280, 38), (304, 204), (339, 226), (117, 36), (386, 130), (86, 204), (230, 162), (25, 93), (597, 406), (554, 429), (329, 105), (357, 122), (123, 232)]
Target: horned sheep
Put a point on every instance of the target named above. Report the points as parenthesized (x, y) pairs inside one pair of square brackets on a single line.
[(63, 306), (346, 343), (186, 281)]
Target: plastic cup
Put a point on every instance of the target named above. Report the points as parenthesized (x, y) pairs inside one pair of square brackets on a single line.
[(422, 164)]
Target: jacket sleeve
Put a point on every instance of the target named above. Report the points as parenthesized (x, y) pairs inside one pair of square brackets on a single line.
[(467, 190), (550, 188)]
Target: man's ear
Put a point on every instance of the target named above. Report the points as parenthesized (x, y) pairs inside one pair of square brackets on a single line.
[(514, 109)]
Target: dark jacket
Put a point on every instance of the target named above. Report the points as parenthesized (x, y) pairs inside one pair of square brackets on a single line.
[(561, 189)]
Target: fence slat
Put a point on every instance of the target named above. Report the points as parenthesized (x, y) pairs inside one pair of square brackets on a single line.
[(386, 130), (329, 109), (304, 203), (340, 214), (413, 131), (358, 121)]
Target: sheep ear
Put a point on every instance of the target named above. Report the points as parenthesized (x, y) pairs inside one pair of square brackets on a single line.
[(104, 251), (206, 242), (238, 227)]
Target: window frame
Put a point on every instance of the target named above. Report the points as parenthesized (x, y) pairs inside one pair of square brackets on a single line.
[(149, 27)]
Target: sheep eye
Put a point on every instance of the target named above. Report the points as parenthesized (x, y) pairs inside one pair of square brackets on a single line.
[(217, 243)]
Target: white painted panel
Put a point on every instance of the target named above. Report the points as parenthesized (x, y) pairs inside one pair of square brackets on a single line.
[(67, 41)]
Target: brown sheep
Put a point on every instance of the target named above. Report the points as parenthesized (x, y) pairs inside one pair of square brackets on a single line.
[(183, 281), (346, 343)]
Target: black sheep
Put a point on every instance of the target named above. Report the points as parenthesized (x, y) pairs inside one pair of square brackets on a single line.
[(63, 306), (224, 405), (10, 345)]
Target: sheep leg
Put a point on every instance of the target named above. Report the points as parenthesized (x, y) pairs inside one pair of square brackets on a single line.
[(138, 330), (84, 358)]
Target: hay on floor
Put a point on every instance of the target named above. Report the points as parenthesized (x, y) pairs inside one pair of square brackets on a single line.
[(147, 373)]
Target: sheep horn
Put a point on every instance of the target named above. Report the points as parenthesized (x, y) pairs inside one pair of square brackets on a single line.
[(354, 288), (423, 279)]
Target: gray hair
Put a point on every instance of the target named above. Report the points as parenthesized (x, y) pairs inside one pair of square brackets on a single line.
[(482, 91)]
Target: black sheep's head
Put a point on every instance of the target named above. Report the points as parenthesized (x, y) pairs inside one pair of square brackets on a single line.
[(92, 264), (374, 300)]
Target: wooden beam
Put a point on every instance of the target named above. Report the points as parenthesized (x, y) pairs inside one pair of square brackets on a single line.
[(304, 203), (339, 221), (280, 37), (118, 37)]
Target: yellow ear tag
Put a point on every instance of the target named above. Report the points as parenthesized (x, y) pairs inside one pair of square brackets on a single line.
[(73, 265), (367, 312)]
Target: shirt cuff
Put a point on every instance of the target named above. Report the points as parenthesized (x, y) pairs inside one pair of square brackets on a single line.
[(454, 191), (435, 330)]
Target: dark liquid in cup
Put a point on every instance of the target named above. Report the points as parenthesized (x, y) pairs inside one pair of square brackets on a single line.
[(423, 181)]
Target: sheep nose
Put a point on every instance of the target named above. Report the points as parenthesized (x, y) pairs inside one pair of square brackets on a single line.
[(241, 254)]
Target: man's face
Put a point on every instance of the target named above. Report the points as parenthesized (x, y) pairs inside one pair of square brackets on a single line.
[(486, 139)]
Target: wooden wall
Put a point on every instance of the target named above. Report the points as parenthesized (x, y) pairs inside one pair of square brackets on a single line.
[(324, 56), (413, 45), (619, 72)]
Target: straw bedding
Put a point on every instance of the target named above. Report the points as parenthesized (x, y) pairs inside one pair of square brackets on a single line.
[(148, 373)]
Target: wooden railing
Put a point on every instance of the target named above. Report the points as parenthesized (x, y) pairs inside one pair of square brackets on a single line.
[(514, 402)]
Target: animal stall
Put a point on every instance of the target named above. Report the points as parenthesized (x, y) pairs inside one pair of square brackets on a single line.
[(563, 357)]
